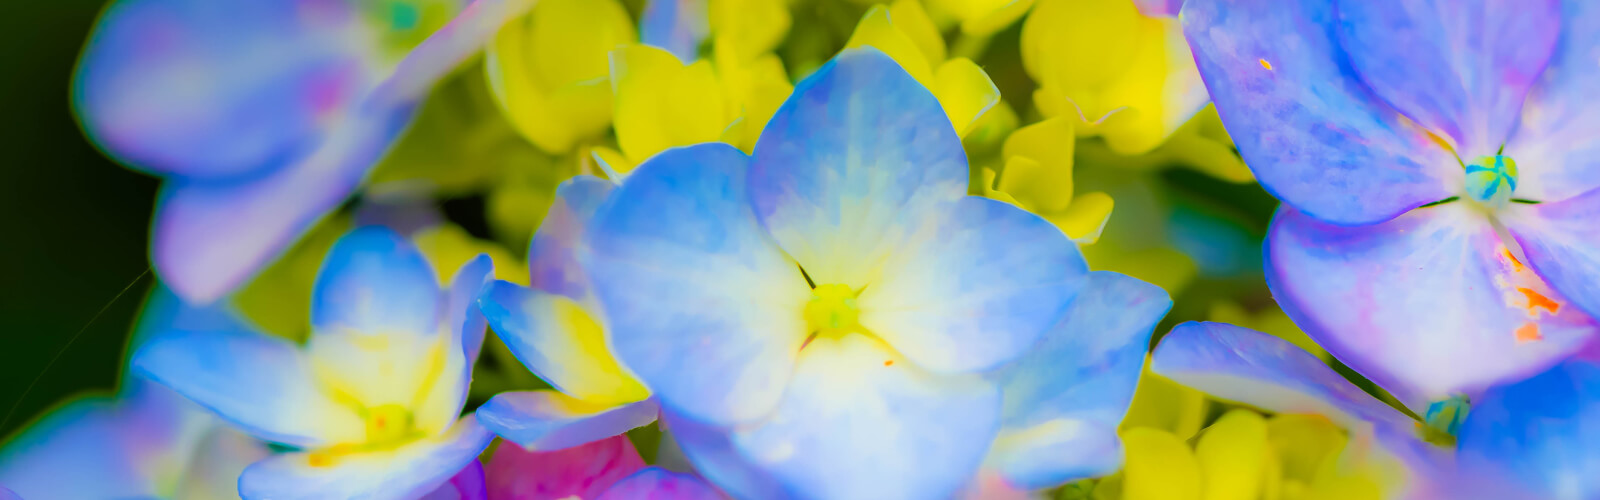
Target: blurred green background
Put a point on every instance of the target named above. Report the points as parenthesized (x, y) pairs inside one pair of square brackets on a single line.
[(74, 223)]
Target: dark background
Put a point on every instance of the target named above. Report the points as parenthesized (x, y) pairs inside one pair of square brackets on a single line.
[(73, 223)]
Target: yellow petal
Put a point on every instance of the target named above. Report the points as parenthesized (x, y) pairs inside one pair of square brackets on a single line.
[(1085, 219), (749, 27), (1079, 44), (995, 19), (593, 374), (965, 91), (1159, 403), (447, 247), (547, 70), (1232, 453), (660, 103), (909, 18), (1038, 165), (1305, 444), (875, 30), (1158, 466)]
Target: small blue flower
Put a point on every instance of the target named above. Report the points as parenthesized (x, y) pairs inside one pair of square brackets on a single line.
[(1436, 164), (261, 115), (829, 317), (371, 401)]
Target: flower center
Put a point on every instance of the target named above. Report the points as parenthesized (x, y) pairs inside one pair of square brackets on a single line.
[(1491, 180), (388, 424), (1443, 420), (832, 310)]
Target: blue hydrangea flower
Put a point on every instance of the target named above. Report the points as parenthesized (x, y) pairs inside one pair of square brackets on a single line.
[(824, 318), (371, 402), (556, 330), (262, 115), (146, 442), (1437, 168), (1540, 436)]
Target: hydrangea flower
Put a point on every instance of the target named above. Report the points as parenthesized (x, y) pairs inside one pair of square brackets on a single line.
[(261, 116), (1124, 75), (607, 469), (371, 402), (780, 308), (556, 329), (1438, 185), (1246, 366), (146, 442)]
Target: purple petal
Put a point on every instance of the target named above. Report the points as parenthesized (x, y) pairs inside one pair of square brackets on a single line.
[(465, 485), (1562, 243), (550, 420), (1313, 134), (676, 25), (552, 253), (581, 471), (1267, 372), (711, 451), (655, 483), (1458, 68), (1428, 305), (1555, 139)]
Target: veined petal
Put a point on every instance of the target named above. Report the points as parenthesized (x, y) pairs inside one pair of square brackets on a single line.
[(211, 235), (1458, 68), (550, 420), (1312, 133), (1427, 305), (1553, 137), (197, 89), (1542, 434), (856, 152), (561, 342), (374, 282), (553, 252), (262, 384), (1562, 243), (581, 471), (1261, 370), (858, 420), (410, 471), (1064, 398), (1005, 276), (701, 305), (655, 483)]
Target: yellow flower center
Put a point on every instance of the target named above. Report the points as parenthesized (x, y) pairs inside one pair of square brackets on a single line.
[(832, 310), (388, 424)]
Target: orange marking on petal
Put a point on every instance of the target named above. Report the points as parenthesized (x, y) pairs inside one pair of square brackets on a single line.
[(1265, 64), (888, 362), (1537, 300), (1528, 332), (319, 459), (1516, 265)]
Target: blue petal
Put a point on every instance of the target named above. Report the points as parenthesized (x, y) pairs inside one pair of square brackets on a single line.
[(655, 483), (211, 235), (375, 281), (1458, 68), (679, 26), (461, 308), (1066, 396), (1542, 434), (848, 161), (559, 341), (410, 471), (1261, 370), (857, 421), (1005, 276), (200, 89), (552, 253), (1554, 139), (1313, 134), (550, 420), (1428, 305), (261, 384), (700, 304), (711, 451), (1562, 243)]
